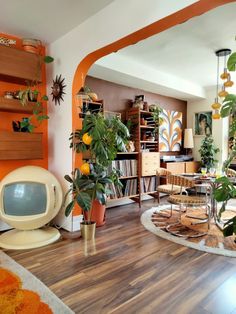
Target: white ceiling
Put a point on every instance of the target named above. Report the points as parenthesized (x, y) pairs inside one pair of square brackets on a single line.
[(46, 20), (185, 51)]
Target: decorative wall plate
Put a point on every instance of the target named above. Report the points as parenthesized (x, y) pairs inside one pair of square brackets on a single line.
[(58, 89)]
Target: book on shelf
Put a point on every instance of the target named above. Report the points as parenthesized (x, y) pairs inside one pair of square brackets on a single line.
[(129, 188), (148, 184), (127, 167)]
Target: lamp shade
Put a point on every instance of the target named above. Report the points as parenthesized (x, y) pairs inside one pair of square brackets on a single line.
[(188, 138)]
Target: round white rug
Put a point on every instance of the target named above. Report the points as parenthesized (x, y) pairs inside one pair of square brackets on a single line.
[(213, 242)]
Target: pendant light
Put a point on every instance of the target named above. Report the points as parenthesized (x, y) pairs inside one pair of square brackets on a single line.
[(224, 76)]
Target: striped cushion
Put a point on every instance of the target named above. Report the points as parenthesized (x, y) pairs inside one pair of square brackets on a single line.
[(169, 189), (185, 199)]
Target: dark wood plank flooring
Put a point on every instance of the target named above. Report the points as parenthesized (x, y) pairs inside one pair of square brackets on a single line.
[(130, 270)]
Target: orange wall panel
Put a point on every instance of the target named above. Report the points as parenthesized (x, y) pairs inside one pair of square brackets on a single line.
[(6, 119)]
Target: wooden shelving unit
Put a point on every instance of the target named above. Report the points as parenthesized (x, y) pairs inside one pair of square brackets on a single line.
[(14, 106), (18, 66), (148, 161), (19, 145)]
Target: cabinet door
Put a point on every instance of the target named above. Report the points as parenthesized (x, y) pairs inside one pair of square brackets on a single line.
[(192, 166), (176, 167), (150, 163)]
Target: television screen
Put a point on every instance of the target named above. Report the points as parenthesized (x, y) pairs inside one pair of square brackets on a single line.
[(24, 199)]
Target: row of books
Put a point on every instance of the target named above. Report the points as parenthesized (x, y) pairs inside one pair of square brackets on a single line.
[(148, 184), (129, 188), (127, 167)]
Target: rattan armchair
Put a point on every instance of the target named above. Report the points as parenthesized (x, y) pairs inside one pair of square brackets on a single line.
[(189, 200), (230, 173), (167, 188)]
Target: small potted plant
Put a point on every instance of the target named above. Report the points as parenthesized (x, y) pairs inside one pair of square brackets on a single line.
[(103, 138), (157, 119), (208, 152)]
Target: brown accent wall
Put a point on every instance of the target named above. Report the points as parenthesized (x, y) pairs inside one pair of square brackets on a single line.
[(118, 97)]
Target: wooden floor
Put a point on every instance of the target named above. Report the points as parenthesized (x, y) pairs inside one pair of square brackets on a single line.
[(130, 270)]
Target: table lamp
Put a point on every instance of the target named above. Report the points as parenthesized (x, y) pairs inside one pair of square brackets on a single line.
[(188, 140)]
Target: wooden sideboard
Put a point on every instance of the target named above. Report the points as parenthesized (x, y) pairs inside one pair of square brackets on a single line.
[(182, 166)]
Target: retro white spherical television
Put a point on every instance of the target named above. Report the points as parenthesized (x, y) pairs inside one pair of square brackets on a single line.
[(30, 197)]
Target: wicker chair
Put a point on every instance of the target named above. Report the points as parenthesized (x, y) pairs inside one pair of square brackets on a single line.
[(167, 188), (230, 173), (188, 200)]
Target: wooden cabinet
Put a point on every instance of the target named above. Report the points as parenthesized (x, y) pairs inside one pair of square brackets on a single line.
[(181, 167), (18, 66), (149, 163), (19, 145), (14, 106), (192, 166)]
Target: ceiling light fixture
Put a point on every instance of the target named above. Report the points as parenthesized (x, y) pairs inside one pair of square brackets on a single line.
[(224, 76)]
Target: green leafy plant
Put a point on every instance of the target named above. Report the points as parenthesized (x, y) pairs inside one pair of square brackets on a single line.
[(31, 93), (208, 152), (225, 189), (156, 112), (108, 136), (86, 188)]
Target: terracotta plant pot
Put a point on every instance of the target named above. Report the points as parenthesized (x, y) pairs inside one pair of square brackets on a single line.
[(98, 213), (88, 230)]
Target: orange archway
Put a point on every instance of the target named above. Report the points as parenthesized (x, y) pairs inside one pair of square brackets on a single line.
[(181, 16), (178, 17)]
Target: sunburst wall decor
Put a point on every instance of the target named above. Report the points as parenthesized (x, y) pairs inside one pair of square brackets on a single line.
[(58, 89)]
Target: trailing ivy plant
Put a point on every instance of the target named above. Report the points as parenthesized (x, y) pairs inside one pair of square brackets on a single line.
[(31, 93), (208, 152), (226, 189)]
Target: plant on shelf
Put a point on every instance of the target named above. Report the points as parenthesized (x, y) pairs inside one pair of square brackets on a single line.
[(102, 138), (225, 189), (208, 152), (157, 119), (31, 93)]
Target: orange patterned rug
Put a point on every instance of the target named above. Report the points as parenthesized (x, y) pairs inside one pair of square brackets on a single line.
[(23, 293), (183, 229)]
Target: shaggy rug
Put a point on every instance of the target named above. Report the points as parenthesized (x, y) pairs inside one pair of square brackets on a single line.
[(23, 293), (181, 230)]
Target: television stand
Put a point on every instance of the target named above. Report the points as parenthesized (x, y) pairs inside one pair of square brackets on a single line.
[(28, 239)]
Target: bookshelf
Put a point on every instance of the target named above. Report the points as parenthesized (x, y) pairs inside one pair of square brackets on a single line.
[(147, 147)]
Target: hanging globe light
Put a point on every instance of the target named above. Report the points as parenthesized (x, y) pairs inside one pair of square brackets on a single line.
[(216, 115), (228, 83), (223, 92), (216, 104), (224, 75)]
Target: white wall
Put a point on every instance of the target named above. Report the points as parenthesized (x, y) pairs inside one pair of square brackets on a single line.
[(117, 20), (219, 127)]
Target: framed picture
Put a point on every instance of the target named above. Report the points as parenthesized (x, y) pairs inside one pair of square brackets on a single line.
[(202, 123)]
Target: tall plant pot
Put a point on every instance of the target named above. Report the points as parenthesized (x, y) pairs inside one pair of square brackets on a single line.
[(88, 230), (98, 213)]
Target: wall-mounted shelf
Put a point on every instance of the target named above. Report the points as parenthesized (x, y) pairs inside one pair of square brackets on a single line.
[(19, 145), (19, 66), (14, 105)]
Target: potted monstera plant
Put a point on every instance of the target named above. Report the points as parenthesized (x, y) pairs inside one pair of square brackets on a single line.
[(102, 138)]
